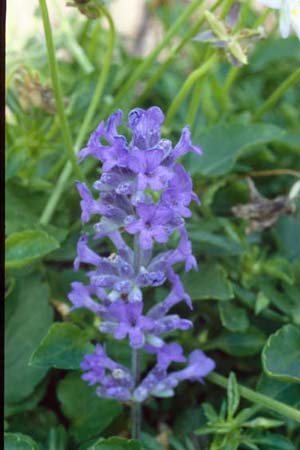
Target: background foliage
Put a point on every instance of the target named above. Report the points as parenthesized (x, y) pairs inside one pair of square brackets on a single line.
[(246, 293)]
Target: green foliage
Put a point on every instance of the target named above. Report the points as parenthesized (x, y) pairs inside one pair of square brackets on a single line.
[(213, 281), (231, 429), (113, 443), (281, 354), (27, 318), (246, 291), (62, 348), (89, 414), (27, 246), (224, 145), (18, 441), (233, 317)]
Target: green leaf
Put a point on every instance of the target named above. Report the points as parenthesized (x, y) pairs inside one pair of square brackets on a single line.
[(89, 415), (284, 392), (288, 230), (272, 51), (274, 441), (36, 423), (280, 299), (29, 403), (261, 302), (210, 412), (263, 422), (281, 354), (63, 347), (188, 420), (209, 283), (279, 268), (18, 441), (113, 443), (223, 145), (27, 316), (21, 208), (240, 344), (213, 244), (27, 246), (233, 395), (233, 317), (150, 443)]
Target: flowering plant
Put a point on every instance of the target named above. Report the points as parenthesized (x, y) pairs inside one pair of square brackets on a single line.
[(144, 197), (76, 359)]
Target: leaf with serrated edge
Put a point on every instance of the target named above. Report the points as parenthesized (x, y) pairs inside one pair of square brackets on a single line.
[(63, 347)]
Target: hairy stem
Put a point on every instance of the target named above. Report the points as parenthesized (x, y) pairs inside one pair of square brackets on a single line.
[(187, 85), (260, 399), (67, 170), (136, 407), (57, 90), (271, 101)]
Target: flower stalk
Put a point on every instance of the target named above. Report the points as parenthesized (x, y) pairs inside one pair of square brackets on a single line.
[(174, 52), (67, 170), (257, 398), (187, 85), (58, 91), (272, 100), (146, 64), (136, 407)]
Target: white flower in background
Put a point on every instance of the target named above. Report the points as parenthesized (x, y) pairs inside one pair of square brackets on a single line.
[(289, 11)]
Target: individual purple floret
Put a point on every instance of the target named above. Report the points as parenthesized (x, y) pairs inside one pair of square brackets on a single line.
[(142, 199)]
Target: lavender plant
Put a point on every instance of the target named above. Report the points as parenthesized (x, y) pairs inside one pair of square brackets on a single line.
[(144, 197)]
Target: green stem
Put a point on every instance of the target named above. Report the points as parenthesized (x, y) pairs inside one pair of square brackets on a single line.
[(71, 42), (292, 79), (67, 170), (101, 82), (196, 95), (259, 399), (194, 104), (144, 66), (187, 85), (136, 407), (57, 90), (174, 52)]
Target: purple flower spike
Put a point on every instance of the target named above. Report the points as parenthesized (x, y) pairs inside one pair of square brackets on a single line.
[(114, 379), (150, 172), (127, 319), (143, 196), (152, 224)]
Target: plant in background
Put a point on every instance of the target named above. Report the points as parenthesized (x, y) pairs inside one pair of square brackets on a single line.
[(246, 295), (144, 197), (289, 15), (235, 44), (230, 429)]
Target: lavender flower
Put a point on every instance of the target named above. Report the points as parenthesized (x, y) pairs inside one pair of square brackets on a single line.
[(143, 197)]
